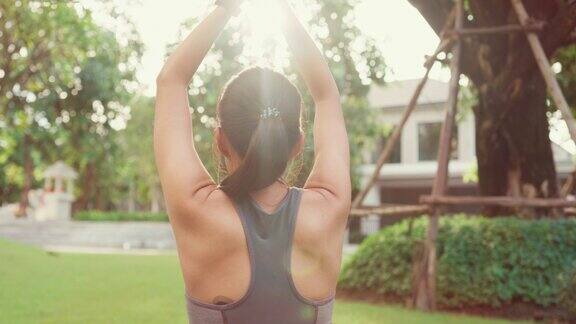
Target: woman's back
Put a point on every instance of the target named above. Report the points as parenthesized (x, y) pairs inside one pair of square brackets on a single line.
[(269, 267), (243, 263)]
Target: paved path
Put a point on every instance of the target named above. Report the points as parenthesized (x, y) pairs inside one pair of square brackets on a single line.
[(63, 235), (96, 237)]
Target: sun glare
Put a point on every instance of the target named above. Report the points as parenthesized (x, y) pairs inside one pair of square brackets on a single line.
[(265, 19), (265, 43)]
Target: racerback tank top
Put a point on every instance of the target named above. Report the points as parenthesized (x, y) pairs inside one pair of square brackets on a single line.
[(272, 297)]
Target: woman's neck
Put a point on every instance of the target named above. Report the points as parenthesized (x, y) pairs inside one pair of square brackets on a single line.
[(272, 195)]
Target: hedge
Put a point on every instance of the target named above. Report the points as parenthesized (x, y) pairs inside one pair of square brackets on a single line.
[(481, 261), (568, 295), (99, 216)]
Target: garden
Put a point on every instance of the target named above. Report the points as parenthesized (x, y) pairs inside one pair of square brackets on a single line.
[(459, 115), (503, 266), (47, 287)]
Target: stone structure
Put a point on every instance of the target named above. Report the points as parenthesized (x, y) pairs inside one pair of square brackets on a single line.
[(54, 202)]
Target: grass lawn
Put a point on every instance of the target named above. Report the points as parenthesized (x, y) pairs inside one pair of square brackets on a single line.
[(41, 287)]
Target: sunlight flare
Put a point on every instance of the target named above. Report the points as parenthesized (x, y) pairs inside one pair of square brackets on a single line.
[(265, 19), (264, 43)]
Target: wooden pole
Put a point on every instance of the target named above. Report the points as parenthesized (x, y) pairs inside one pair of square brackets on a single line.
[(425, 295), (391, 143), (544, 65), (445, 45), (393, 140), (399, 210), (531, 27), (568, 186), (497, 201)]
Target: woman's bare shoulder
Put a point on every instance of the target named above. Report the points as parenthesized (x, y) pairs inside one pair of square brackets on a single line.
[(209, 205), (324, 209), (325, 199)]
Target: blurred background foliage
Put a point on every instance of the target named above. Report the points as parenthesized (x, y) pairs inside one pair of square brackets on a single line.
[(65, 86), (354, 59), (68, 91)]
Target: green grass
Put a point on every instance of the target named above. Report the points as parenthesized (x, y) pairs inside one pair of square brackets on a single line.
[(99, 216), (41, 287)]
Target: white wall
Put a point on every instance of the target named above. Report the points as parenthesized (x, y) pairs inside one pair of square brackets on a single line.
[(430, 114), (411, 166)]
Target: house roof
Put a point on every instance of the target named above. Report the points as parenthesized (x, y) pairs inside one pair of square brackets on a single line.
[(60, 170), (399, 93)]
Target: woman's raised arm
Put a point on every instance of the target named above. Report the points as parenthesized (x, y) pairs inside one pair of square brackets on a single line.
[(181, 171), (331, 172)]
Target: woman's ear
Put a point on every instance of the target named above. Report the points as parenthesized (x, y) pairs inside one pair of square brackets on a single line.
[(299, 147), (221, 142)]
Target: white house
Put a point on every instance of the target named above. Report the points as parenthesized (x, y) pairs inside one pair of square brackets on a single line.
[(412, 167)]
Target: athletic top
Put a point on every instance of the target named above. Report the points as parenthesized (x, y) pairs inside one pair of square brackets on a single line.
[(272, 297)]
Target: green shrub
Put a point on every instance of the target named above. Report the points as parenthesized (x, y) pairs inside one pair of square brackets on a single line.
[(568, 295), (99, 216), (481, 261)]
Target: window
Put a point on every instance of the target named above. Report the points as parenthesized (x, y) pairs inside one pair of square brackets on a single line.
[(429, 141), (395, 157)]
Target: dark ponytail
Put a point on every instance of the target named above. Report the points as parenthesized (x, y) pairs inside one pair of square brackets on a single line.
[(263, 143)]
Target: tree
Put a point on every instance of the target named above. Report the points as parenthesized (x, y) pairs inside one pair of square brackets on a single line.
[(64, 81), (96, 115), (354, 59), (42, 44), (137, 149), (512, 131)]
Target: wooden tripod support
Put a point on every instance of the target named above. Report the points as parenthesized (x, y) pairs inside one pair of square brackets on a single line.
[(424, 294)]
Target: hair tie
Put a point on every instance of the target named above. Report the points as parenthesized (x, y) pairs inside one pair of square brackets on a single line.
[(269, 112)]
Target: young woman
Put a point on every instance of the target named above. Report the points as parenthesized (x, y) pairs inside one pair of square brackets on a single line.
[(252, 249)]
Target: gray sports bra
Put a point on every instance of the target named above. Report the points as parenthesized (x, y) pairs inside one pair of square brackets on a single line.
[(272, 297)]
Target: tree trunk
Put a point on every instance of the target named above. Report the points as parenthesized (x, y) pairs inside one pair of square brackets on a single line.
[(88, 185), (28, 176), (513, 144), (131, 197), (2, 194), (99, 200), (156, 204)]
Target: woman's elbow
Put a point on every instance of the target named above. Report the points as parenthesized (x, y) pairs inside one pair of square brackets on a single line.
[(328, 98), (169, 77), (328, 94), (164, 77)]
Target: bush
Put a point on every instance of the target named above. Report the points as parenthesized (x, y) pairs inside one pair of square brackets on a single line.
[(568, 295), (481, 261), (99, 216)]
